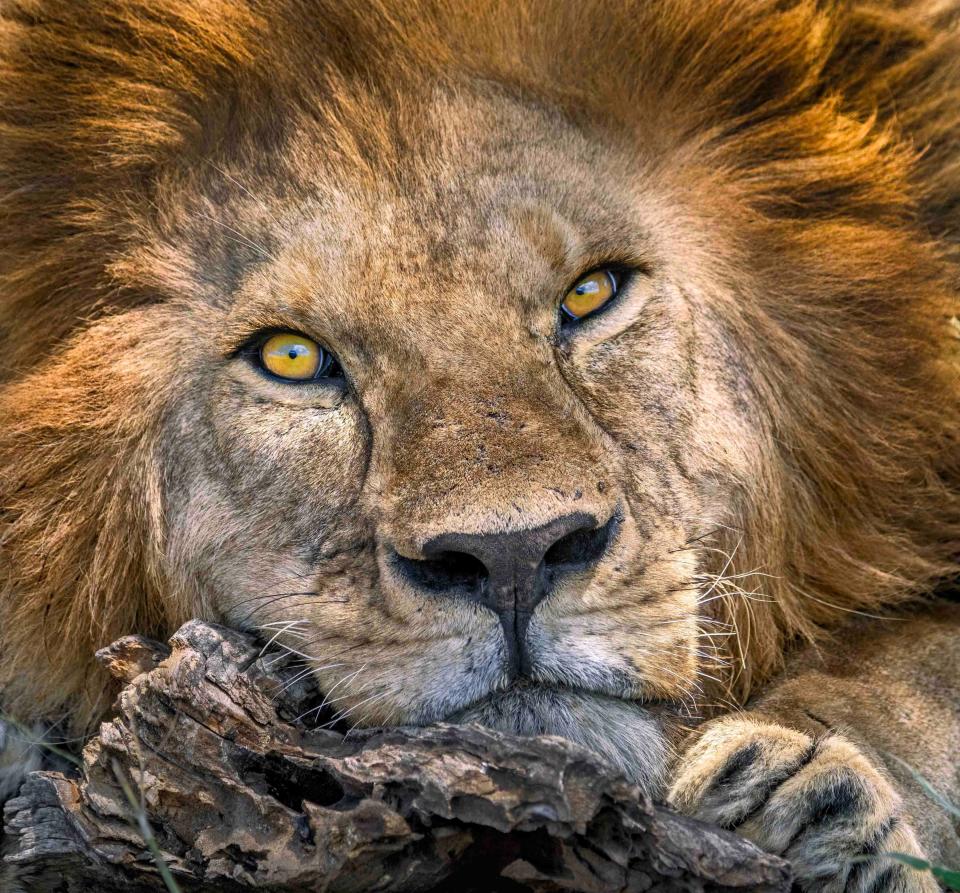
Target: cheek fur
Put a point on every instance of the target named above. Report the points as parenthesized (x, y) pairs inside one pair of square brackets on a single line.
[(297, 470)]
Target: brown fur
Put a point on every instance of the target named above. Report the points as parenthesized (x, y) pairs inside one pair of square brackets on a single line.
[(176, 174)]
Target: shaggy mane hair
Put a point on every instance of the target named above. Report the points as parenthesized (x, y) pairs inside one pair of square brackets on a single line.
[(838, 124)]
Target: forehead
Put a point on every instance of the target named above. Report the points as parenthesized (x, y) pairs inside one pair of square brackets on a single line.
[(472, 194)]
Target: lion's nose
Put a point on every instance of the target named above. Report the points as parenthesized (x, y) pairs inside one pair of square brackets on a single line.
[(510, 573)]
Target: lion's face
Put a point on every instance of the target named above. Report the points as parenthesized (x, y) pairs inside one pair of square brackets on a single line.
[(491, 515)]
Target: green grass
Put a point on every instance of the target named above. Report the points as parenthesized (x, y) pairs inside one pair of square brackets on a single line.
[(951, 879), (947, 876), (140, 820), (143, 824)]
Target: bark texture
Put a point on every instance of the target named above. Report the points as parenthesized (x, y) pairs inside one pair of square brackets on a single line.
[(239, 795)]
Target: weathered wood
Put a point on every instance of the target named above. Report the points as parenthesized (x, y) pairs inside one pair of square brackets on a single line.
[(241, 796)]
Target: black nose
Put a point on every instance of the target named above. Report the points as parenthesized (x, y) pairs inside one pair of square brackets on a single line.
[(511, 573)]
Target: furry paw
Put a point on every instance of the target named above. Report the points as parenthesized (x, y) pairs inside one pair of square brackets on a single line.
[(819, 803)]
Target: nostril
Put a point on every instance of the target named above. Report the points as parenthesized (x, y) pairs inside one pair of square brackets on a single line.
[(444, 572), (581, 548)]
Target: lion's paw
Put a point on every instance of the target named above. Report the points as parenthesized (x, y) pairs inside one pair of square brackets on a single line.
[(820, 803)]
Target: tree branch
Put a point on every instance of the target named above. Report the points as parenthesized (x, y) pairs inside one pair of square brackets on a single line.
[(239, 796)]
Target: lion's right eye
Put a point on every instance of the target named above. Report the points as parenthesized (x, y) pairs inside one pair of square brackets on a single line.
[(591, 293), (296, 358)]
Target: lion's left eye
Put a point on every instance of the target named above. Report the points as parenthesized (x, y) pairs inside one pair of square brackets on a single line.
[(590, 294), (295, 357)]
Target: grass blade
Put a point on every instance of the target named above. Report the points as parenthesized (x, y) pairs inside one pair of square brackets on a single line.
[(950, 878), (928, 788), (145, 830)]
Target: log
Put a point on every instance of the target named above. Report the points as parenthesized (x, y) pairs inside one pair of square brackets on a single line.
[(239, 795)]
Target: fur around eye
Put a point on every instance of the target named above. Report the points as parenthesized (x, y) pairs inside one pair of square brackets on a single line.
[(590, 294)]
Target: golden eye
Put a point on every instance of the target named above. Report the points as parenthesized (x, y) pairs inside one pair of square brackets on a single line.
[(294, 357), (593, 291)]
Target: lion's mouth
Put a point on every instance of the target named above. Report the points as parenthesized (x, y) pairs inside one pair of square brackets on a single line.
[(631, 735), (527, 703)]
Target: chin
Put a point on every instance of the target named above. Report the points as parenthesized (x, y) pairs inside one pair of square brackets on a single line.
[(630, 736)]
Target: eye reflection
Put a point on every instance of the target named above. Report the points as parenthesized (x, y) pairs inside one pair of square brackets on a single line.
[(590, 294), (294, 357)]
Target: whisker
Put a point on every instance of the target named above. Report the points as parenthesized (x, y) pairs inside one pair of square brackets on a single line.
[(326, 699), (716, 523), (242, 239), (375, 697), (277, 634), (273, 624), (749, 596), (303, 674), (688, 545), (240, 185), (260, 596), (849, 610), (273, 598), (726, 566)]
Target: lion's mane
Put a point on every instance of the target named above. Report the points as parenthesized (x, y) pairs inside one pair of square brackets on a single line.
[(839, 124)]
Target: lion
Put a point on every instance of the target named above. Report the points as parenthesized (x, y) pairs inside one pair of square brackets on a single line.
[(581, 368)]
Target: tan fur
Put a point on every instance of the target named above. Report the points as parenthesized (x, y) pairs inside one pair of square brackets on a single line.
[(773, 404), (810, 775), (825, 766)]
